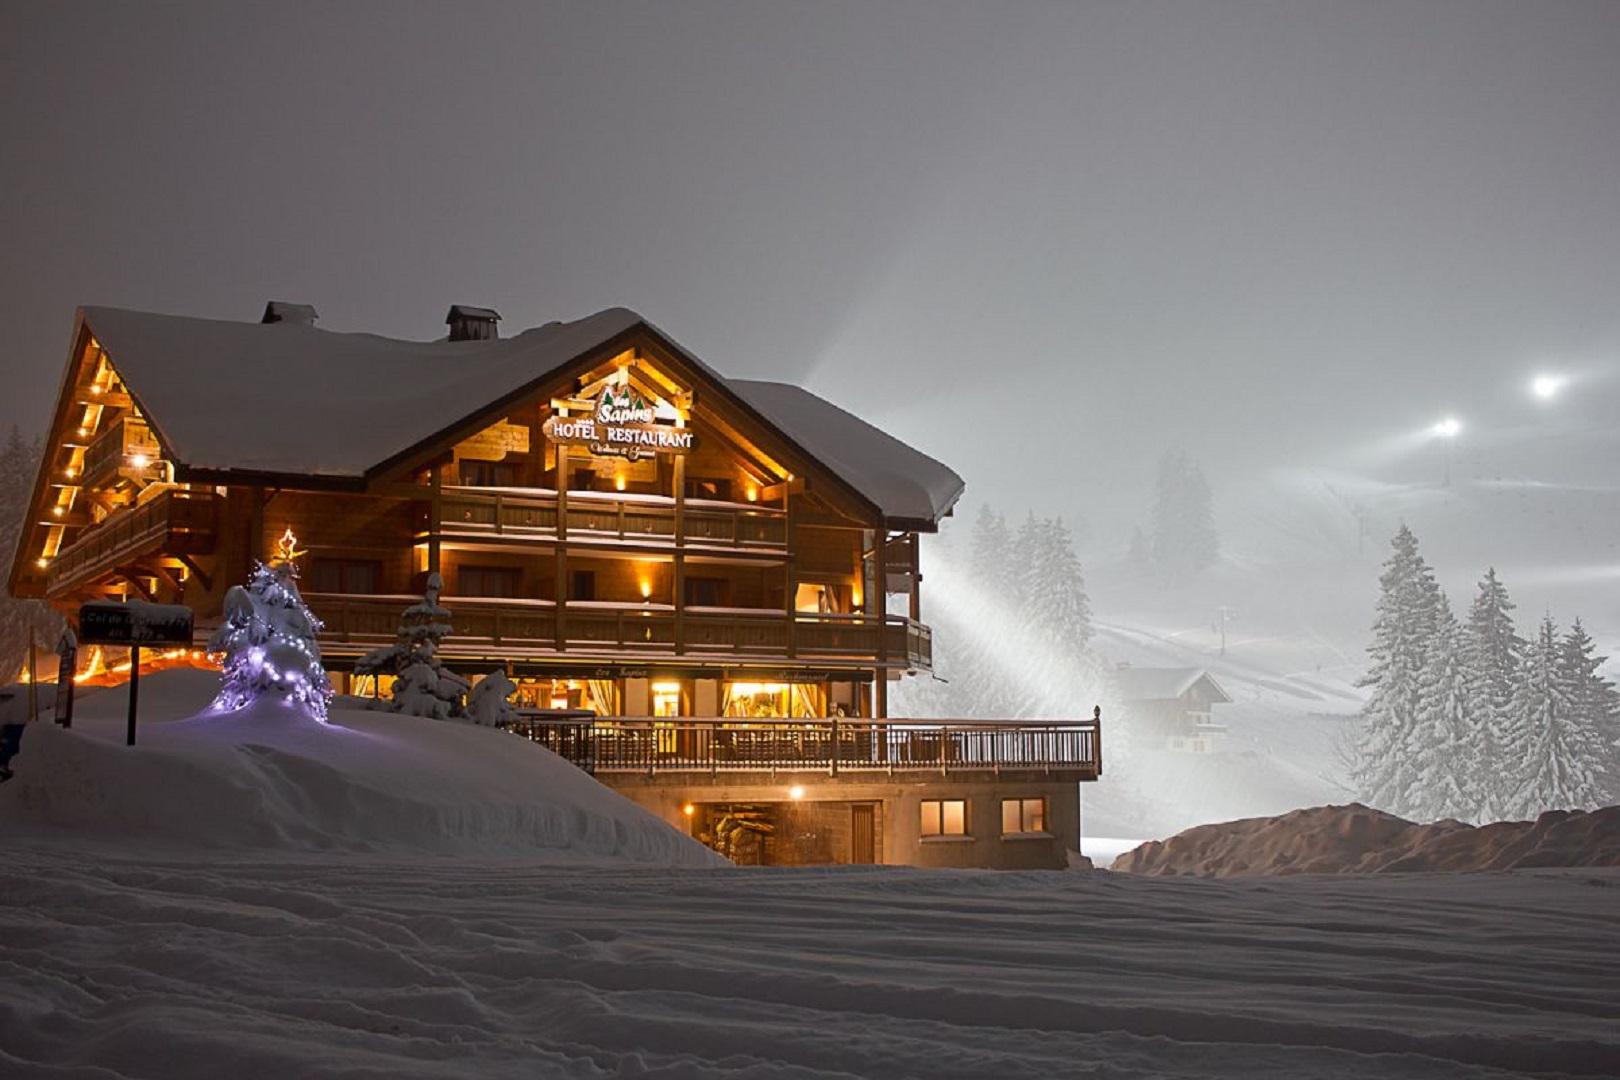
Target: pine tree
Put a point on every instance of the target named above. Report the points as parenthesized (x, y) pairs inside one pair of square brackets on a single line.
[(1184, 537), (1408, 603), (269, 641), (1439, 745), (423, 686), (1551, 754), (1055, 594), (1597, 704), (1493, 655), (21, 621)]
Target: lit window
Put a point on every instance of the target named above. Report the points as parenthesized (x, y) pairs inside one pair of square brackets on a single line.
[(944, 817), (1023, 815)]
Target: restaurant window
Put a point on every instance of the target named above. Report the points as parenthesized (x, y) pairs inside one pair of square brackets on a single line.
[(489, 473), (582, 585), (944, 817), (1023, 815), (698, 487), (488, 580), (354, 576), (707, 592)]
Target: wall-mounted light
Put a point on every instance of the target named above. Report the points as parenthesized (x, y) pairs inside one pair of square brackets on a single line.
[(56, 511), (688, 809), (139, 461), (753, 493), (795, 792), (646, 589), (618, 482)]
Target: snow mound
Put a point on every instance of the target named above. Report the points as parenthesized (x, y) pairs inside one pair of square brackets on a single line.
[(270, 777), (1355, 839)]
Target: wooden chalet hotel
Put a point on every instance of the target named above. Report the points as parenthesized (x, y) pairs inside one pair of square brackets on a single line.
[(708, 565)]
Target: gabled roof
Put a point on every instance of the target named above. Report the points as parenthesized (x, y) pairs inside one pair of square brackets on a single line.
[(1164, 684), (278, 399)]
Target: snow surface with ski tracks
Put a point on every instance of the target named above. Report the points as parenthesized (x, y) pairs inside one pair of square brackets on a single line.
[(558, 940)]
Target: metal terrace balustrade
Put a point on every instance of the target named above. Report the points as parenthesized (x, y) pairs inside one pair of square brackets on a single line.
[(175, 522), (519, 628), (470, 512), (652, 746)]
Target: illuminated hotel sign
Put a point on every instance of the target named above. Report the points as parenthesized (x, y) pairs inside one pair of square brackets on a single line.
[(624, 424)]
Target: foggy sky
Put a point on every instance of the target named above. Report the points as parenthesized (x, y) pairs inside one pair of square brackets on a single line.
[(1272, 233)]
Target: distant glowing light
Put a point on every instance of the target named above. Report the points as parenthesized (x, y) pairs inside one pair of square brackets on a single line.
[(139, 461), (795, 792), (1546, 387), (688, 809), (1449, 428)]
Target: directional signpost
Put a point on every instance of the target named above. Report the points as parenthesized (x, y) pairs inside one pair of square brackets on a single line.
[(134, 623)]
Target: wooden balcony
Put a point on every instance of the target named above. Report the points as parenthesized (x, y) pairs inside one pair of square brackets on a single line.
[(174, 522), (126, 451), (519, 629), (471, 513), (845, 746)]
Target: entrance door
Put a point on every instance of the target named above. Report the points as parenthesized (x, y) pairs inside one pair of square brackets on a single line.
[(863, 834)]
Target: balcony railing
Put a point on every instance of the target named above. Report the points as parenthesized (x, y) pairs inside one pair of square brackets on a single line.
[(471, 512), (651, 746), (519, 628), (175, 522), (126, 449)]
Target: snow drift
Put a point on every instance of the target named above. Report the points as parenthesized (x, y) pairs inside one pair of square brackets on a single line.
[(1356, 839), (268, 776)]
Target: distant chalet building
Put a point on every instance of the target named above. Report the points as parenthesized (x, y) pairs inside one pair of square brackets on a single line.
[(685, 574), (1174, 705)]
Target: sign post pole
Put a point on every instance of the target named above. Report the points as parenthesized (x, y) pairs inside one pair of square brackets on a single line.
[(134, 690), (68, 650)]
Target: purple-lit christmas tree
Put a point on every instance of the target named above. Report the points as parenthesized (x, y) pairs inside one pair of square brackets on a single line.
[(269, 639)]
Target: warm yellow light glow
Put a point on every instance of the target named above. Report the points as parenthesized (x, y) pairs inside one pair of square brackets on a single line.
[(83, 432), (688, 809), (618, 482), (96, 388), (753, 493), (42, 562), (70, 472), (287, 549), (56, 511), (795, 792), (666, 687), (646, 588), (748, 689), (139, 461)]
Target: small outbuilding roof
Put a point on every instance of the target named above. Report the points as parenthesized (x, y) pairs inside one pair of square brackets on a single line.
[(1164, 684), (279, 398)]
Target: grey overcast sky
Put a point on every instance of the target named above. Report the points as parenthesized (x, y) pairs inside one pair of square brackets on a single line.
[(1271, 232)]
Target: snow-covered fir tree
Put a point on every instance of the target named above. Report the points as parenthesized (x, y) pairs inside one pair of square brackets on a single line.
[(1493, 656), (269, 642), (423, 686), (489, 704), (1408, 603), (20, 620), (1596, 702), (1551, 752), (1184, 536), (1054, 592), (1441, 770)]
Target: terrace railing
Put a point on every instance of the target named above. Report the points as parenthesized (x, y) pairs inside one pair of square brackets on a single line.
[(723, 745), (469, 511), (175, 522), (517, 628)]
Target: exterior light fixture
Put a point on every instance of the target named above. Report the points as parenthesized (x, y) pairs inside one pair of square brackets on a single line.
[(646, 589), (618, 483), (753, 493), (83, 431), (688, 809), (56, 511), (42, 562), (139, 461), (795, 792)]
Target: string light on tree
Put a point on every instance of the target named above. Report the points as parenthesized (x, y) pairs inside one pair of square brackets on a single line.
[(268, 639)]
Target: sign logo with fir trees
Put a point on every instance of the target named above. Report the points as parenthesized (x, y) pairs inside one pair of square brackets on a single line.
[(623, 423)]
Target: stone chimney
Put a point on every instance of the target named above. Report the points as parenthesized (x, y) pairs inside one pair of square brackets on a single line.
[(295, 314), (472, 323)]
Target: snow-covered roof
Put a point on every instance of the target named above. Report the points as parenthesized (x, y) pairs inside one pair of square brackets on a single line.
[(906, 483), (1163, 684), (285, 399)]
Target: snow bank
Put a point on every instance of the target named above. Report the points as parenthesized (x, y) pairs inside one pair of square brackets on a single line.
[(268, 776), (1355, 839)]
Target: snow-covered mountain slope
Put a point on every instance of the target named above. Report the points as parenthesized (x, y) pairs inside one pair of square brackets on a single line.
[(268, 776), (331, 966)]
